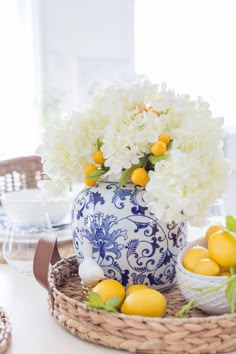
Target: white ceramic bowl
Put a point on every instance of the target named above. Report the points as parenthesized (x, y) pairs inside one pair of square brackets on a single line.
[(27, 207), (215, 303)]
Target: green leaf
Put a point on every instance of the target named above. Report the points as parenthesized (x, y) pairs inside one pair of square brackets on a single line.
[(185, 309), (164, 112), (110, 309), (94, 175), (126, 174), (232, 270), (230, 293), (231, 223), (95, 299), (99, 144), (170, 144), (154, 159), (113, 302)]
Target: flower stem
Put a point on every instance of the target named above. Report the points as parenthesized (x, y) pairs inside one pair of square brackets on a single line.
[(144, 161), (193, 302)]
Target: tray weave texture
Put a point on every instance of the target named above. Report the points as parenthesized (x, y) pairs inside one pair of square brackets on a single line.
[(197, 333), (5, 331)]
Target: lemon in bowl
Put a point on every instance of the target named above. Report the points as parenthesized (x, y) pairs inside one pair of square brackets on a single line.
[(194, 284)]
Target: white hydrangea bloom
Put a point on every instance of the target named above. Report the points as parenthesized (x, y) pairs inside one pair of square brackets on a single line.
[(196, 172), (182, 187), (68, 146), (125, 143)]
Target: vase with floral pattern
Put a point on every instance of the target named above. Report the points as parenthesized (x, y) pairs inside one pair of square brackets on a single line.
[(128, 242)]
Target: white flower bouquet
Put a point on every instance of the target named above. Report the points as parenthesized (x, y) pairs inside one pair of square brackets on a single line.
[(150, 135)]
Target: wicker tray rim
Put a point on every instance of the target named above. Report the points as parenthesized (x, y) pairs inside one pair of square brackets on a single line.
[(5, 331), (121, 315), (152, 335)]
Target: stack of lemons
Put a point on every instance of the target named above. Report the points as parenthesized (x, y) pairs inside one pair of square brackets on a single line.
[(136, 300), (218, 258)]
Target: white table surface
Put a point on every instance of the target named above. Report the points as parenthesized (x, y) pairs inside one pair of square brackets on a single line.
[(34, 331)]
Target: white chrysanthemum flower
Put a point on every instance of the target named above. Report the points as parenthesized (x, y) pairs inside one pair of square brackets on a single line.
[(126, 120)]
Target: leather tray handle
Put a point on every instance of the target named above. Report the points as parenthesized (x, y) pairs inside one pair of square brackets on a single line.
[(46, 253)]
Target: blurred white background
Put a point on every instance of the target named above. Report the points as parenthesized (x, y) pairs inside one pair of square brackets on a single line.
[(55, 52)]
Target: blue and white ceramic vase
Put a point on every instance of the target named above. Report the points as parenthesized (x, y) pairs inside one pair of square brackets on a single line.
[(128, 242)]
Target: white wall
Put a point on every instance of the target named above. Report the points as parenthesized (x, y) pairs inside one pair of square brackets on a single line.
[(19, 133), (191, 46), (83, 42), (230, 151)]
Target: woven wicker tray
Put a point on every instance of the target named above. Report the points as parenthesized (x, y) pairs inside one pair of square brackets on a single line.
[(197, 333), (5, 331)]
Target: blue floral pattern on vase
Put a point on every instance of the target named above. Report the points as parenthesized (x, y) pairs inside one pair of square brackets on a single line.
[(129, 243)]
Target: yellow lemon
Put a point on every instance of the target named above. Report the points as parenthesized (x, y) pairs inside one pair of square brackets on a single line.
[(224, 273), (148, 302), (222, 248), (108, 289), (193, 256), (136, 287), (207, 266), (212, 229)]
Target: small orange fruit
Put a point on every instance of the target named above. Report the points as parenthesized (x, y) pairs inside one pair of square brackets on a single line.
[(140, 177), (193, 256), (89, 183), (98, 157), (165, 138), (108, 289), (136, 287), (89, 168), (206, 266), (148, 302), (212, 229), (159, 148), (222, 248)]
